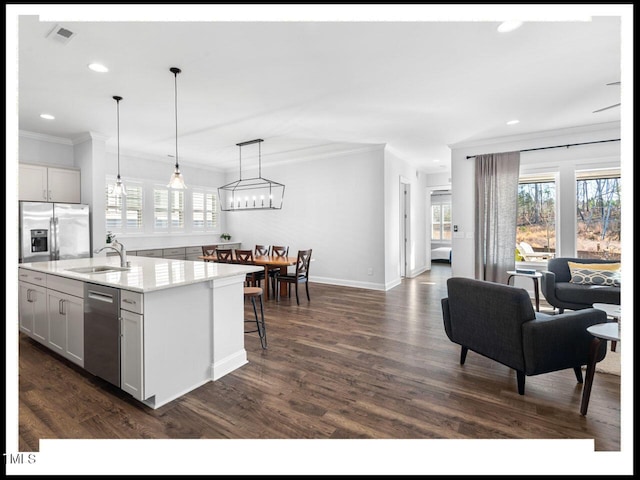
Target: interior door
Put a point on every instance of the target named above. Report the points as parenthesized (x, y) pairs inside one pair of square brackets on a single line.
[(405, 227)]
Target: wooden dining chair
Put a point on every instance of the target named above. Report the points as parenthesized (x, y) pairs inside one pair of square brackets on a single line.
[(261, 250), (246, 257), (301, 275), (224, 255), (208, 251), (277, 251)]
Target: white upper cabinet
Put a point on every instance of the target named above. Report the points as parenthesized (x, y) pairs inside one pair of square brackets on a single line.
[(38, 183)]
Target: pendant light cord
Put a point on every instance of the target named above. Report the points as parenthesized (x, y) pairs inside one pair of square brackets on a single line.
[(175, 73), (118, 126), (117, 99)]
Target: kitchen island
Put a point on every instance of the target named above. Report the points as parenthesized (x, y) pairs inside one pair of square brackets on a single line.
[(181, 322)]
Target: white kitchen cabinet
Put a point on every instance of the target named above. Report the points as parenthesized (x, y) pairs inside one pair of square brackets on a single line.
[(32, 311), (156, 253), (32, 304), (132, 343), (192, 253), (38, 183), (131, 353), (174, 253), (32, 181), (228, 246), (65, 308), (66, 325)]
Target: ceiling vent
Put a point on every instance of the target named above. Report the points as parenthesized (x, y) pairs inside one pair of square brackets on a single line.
[(61, 34)]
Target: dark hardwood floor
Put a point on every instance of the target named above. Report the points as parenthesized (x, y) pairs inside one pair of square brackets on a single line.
[(350, 364)]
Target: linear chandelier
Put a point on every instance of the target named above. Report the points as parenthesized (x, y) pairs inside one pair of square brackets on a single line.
[(256, 193)]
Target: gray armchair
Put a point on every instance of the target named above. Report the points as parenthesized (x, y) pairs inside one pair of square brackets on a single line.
[(560, 293), (499, 322)]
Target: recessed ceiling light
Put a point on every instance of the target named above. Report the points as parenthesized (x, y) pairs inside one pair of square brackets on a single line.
[(513, 122), (436, 160), (509, 26), (47, 116), (97, 67)]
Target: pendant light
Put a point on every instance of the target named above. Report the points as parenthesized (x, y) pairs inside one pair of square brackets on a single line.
[(118, 189), (255, 193), (176, 180)]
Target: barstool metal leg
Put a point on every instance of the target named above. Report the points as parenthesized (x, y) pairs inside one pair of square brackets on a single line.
[(262, 331)]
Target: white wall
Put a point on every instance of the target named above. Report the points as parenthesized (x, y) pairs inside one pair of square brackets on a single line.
[(333, 205), (44, 149), (564, 160)]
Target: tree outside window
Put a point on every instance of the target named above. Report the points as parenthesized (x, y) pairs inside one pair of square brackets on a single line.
[(536, 220), (598, 215)]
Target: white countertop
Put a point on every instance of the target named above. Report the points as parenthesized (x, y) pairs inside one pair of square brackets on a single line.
[(146, 274)]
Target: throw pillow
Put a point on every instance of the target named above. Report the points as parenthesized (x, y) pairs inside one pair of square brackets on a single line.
[(595, 266), (605, 274)]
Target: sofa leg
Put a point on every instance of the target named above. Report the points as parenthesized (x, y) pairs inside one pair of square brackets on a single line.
[(578, 372), (520, 376), (463, 355), (560, 310)]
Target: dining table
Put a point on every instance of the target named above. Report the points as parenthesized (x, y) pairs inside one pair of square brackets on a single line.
[(269, 262)]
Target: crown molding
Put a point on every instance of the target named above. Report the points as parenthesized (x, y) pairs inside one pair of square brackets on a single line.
[(85, 137), (44, 138)]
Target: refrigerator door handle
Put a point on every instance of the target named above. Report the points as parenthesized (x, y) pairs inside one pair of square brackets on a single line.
[(53, 238)]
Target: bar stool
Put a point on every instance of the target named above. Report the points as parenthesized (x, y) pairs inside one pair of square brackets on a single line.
[(253, 293)]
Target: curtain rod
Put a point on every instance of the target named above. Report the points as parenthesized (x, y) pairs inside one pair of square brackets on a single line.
[(560, 146)]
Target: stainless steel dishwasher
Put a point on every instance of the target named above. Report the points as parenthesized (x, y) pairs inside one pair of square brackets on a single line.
[(102, 332)]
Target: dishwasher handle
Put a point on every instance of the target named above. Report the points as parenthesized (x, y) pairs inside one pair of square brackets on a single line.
[(103, 297)]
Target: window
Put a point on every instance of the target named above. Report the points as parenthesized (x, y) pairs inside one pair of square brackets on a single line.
[(441, 218), (205, 211), (536, 220), (598, 214), (124, 213), (168, 209)]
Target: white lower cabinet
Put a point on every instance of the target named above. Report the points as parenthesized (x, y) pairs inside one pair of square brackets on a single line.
[(131, 348), (132, 344), (51, 311), (32, 311), (66, 325)]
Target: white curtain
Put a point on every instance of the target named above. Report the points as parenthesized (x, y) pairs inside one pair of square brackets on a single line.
[(496, 210)]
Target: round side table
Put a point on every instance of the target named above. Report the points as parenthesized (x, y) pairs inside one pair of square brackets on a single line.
[(601, 333)]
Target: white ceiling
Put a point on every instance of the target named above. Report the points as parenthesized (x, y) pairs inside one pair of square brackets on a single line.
[(416, 86)]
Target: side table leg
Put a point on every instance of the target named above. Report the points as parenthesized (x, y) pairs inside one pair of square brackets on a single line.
[(536, 289), (591, 369)]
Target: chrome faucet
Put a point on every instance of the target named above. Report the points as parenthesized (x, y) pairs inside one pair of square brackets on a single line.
[(121, 251)]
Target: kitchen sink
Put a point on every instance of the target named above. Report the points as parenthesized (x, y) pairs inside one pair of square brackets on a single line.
[(97, 269)]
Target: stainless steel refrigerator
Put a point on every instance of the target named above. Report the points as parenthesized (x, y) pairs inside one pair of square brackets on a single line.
[(53, 231)]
